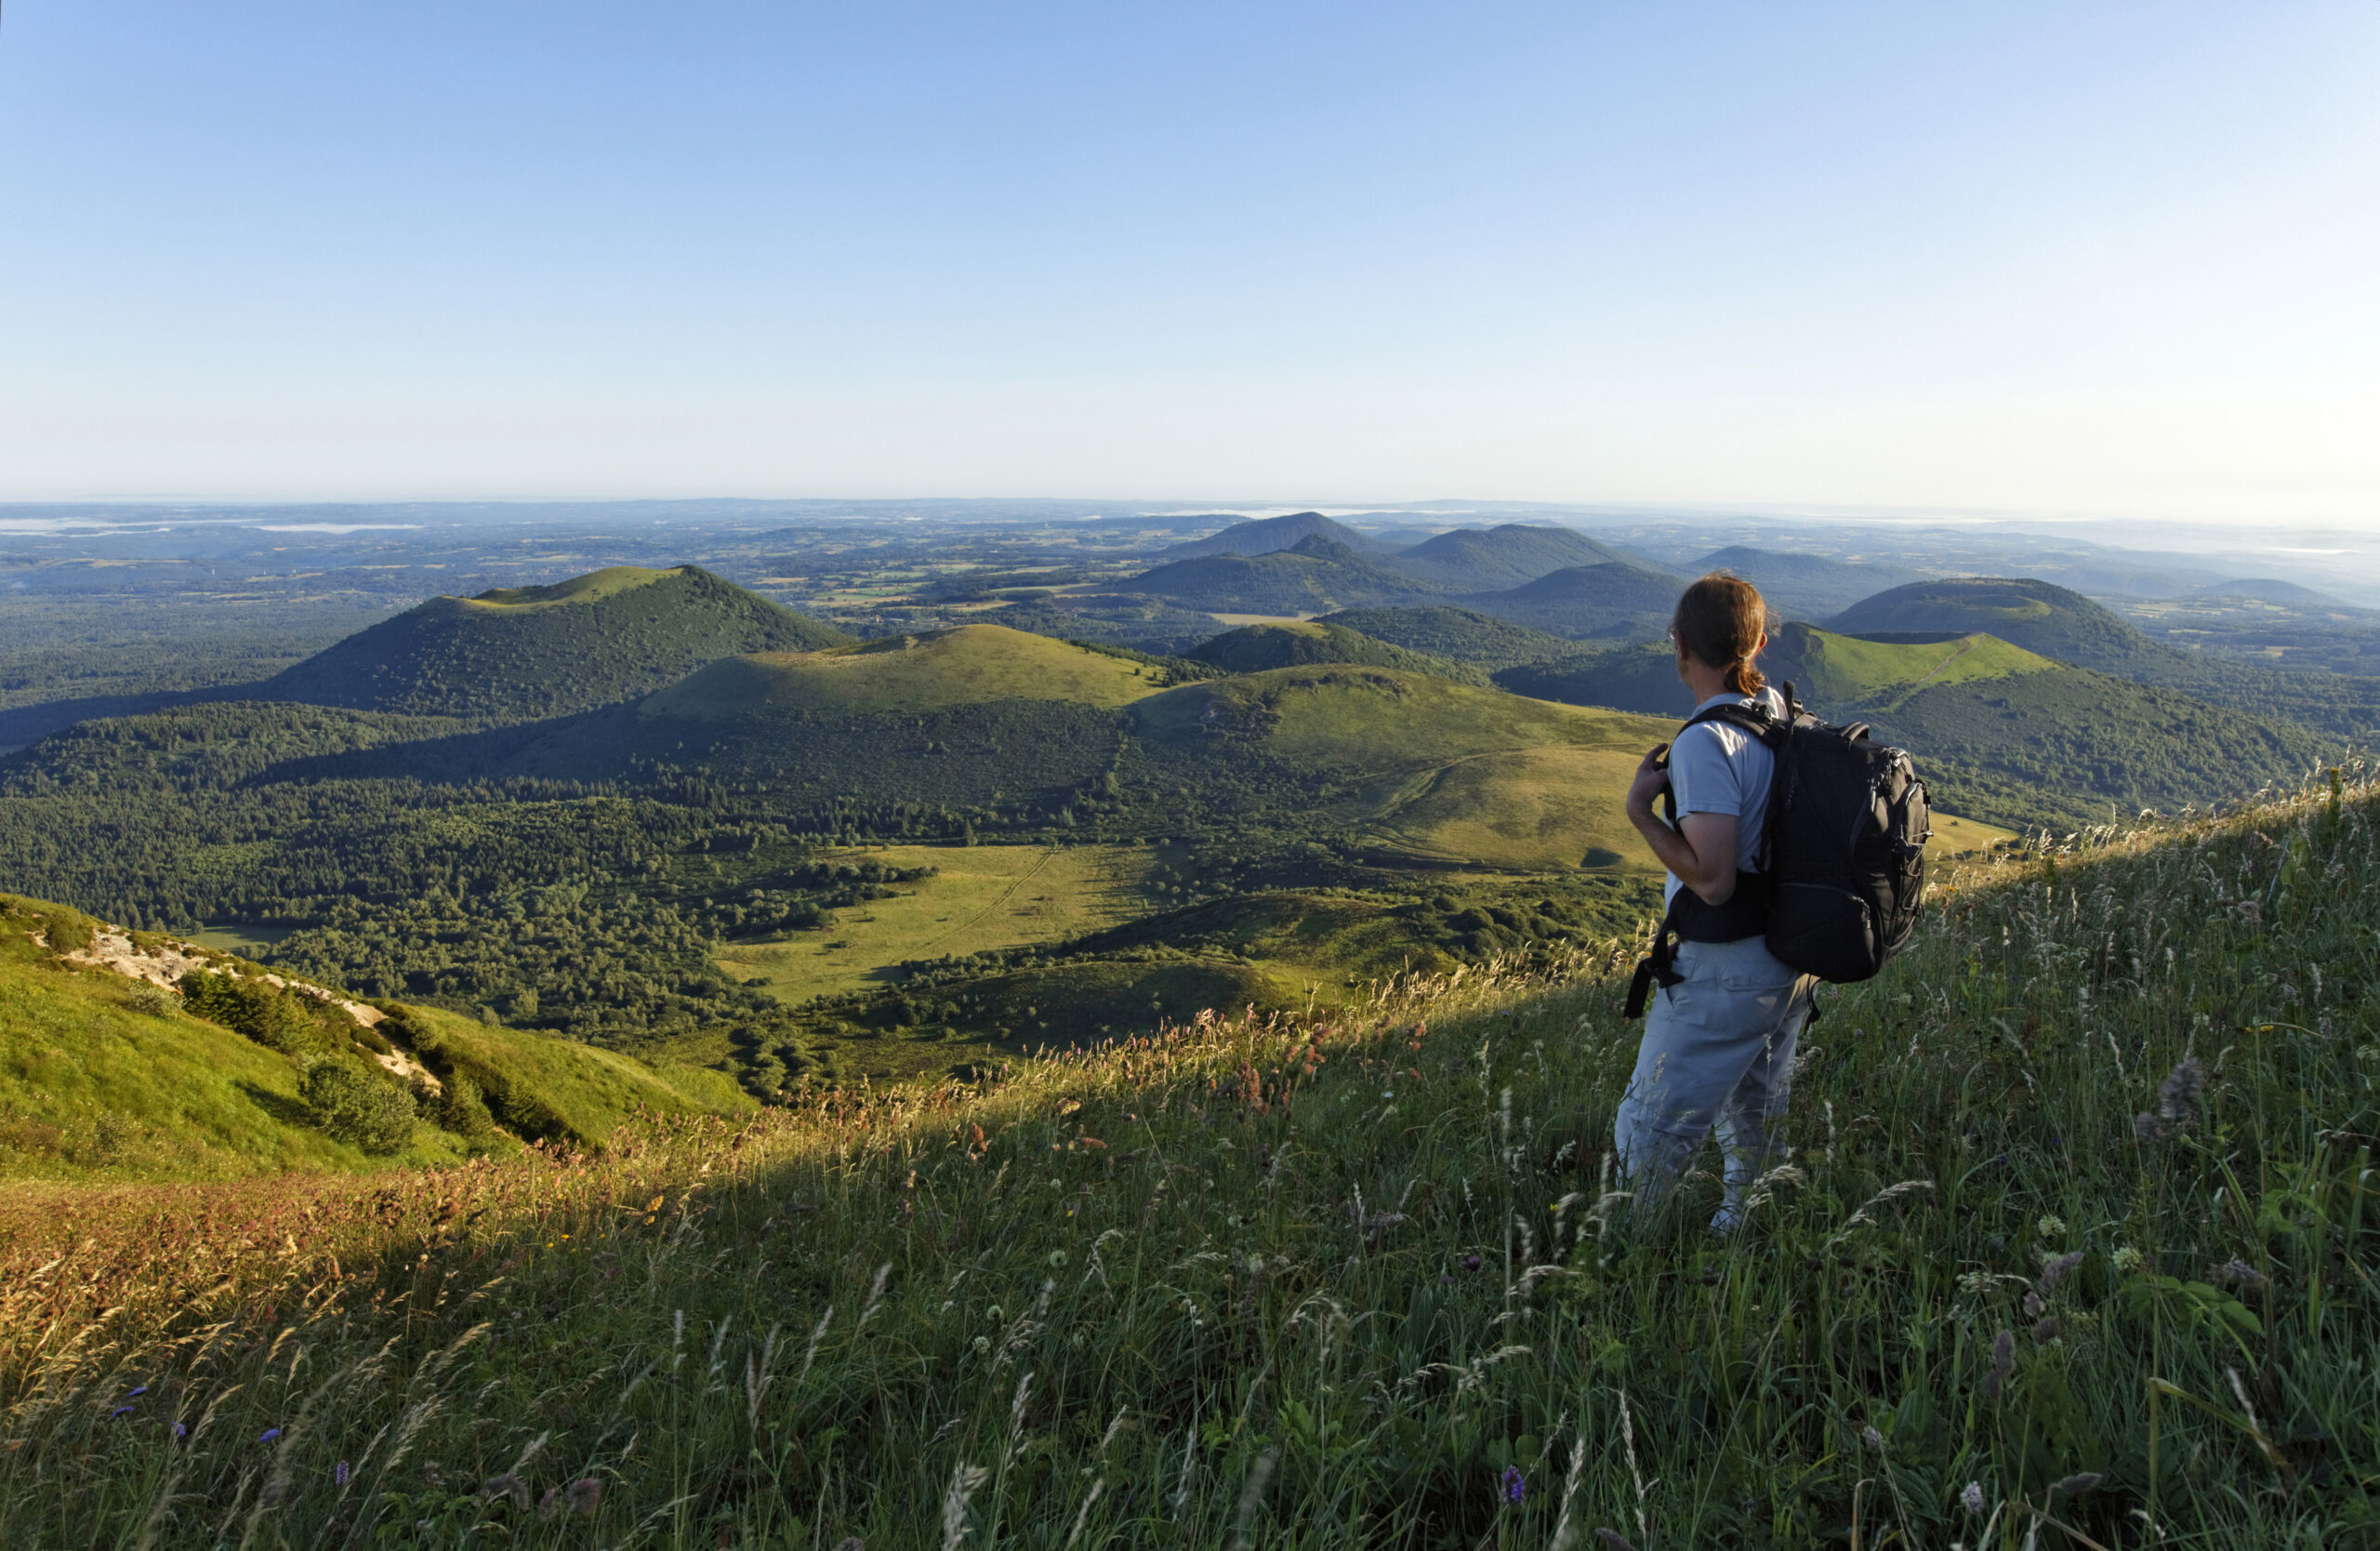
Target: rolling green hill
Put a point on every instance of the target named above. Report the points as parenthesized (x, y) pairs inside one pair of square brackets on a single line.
[(932, 670), (108, 1075), (518, 654), (1315, 576), (2056, 623), (2000, 732), (1254, 648), (1489, 559), (1412, 766)]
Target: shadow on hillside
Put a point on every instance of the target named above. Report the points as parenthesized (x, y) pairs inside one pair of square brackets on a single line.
[(280, 1107)]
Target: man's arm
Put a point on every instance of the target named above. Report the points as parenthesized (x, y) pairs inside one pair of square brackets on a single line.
[(1701, 851)]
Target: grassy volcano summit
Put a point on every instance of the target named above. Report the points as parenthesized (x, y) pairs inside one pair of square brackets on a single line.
[(521, 653), (932, 670)]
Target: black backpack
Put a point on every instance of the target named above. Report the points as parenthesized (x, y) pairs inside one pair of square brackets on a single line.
[(1841, 854)]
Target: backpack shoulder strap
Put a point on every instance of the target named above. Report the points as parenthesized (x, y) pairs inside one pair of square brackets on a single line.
[(1754, 720)]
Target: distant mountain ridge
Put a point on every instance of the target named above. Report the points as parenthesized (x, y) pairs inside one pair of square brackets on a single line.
[(1488, 560), (1804, 586), (1315, 574), (1609, 600), (1264, 535), (521, 653)]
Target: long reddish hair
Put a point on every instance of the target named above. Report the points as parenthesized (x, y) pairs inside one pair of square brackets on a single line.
[(1721, 621)]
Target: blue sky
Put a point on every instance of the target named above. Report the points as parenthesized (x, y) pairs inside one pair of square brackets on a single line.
[(2108, 260)]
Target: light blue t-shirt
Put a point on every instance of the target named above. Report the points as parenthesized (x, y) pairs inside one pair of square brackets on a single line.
[(1716, 768)]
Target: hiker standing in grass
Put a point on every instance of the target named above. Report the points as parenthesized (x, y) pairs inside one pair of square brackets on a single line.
[(1719, 1034)]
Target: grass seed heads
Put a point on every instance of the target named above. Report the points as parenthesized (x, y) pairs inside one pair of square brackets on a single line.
[(605, 1332)]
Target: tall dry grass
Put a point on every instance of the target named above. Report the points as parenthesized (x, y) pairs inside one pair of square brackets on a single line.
[(2076, 1248)]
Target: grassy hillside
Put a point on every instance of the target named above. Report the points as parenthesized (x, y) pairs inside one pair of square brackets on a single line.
[(967, 665), (1361, 1280), (2049, 620), (1489, 559), (2000, 734), (1254, 648), (517, 654), (1414, 765), (104, 1076)]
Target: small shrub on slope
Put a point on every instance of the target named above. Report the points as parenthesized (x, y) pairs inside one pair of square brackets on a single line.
[(354, 1107)]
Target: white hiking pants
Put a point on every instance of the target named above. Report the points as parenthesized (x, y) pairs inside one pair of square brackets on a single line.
[(1717, 1054)]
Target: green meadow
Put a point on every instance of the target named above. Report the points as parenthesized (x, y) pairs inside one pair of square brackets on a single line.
[(2075, 1249), (980, 897)]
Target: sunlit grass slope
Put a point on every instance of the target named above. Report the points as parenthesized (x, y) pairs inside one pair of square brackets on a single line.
[(92, 1085), (101, 1080), (1357, 1282), (1840, 669), (1434, 770), (965, 665)]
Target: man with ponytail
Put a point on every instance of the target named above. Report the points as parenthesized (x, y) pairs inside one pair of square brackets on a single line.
[(1720, 1032)]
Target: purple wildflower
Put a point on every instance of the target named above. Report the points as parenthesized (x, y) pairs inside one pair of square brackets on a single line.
[(137, 1393), (1515, 1486), (1470, 1262), (340, 1473), (118, 1411), (180, 1431), (268, 1434)]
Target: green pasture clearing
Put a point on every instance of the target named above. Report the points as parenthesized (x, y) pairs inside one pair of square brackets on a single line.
[(963, 665), (982, 897), (248, 939), (1954, 835), (1239, 621)]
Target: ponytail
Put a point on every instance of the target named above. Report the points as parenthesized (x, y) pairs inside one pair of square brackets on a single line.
[(1721, 620)]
